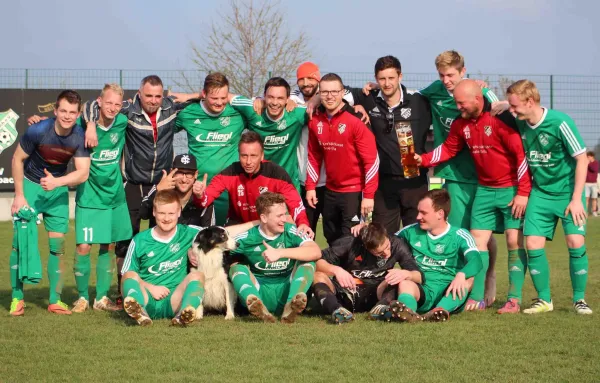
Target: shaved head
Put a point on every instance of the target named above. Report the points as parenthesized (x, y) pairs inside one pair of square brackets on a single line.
[(469, 99)]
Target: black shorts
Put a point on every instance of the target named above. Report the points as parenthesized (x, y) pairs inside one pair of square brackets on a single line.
[(313, 214), (361, 300), (340, 213), (396, 200), (133, 195)]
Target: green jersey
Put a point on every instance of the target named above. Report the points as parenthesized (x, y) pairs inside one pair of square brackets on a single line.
[(461, 168), (550, 147), (441, 257), (251, 247), (104, 186), (212, 138), (281, 137), (160, 262)]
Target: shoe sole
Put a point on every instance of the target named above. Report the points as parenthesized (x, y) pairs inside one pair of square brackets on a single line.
[(437, 316), (402, 313), (341, 318), (258, 309), (59, 311), (297, 305), (134, 310), (536, 312)]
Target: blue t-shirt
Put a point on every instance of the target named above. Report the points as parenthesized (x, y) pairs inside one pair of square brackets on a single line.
[(48, 150)]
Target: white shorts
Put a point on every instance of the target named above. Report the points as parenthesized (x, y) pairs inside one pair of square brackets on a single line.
[(591, 190)]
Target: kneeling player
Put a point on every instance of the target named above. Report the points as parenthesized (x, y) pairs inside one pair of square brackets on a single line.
[(448, 258), (357, 274), (273, 266)]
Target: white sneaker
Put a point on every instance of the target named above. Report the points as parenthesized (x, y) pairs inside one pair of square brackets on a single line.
[(80, 305), (539, 306), (582, 308), (105, 304)]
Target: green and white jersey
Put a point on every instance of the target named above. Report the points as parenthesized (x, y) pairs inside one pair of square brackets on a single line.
[(444, 111), (104, 186), (212, 138), (160, 262), (251, 247), (550, 146), (281, 137), (441, 256)]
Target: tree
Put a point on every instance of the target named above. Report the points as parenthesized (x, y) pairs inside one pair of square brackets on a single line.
[(249, 45)]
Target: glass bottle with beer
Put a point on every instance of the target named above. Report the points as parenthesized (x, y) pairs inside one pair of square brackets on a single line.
[(407, 149)]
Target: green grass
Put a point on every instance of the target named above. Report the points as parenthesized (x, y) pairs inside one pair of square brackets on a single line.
[(98, 346)]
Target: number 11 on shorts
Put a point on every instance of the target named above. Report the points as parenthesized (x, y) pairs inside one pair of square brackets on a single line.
[(88, 234)]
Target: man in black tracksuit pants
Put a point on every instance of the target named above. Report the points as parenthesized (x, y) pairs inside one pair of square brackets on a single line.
[(397, 197)]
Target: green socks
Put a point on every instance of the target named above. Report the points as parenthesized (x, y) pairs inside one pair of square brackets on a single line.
[(540, 273), (104, 273), (82, 268), (132, 289), (517, 267), (578, 268), (15, 282), (479, 283), (242, 283), (302, 278), (193, 294), (409, 301)]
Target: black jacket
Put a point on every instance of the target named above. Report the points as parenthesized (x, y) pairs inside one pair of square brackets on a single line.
[(413, 109), (190, 214)]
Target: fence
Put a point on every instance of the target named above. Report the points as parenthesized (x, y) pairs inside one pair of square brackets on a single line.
[(578, 96)]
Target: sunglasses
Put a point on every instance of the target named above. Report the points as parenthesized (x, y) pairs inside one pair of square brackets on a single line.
[(390, 119)]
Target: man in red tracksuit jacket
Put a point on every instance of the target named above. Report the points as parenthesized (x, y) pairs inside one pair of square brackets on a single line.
[(340, 139), (503, 190), (247, 179)]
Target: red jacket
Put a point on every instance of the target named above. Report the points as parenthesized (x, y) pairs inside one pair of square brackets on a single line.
[(496, 149), (348, 148), (244, 189)]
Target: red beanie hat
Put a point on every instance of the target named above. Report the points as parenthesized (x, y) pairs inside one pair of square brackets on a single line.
[(308, 69)]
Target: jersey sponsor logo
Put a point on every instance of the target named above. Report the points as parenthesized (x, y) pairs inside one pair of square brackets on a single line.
[(225, 121), (106, 155), (376, 110), (439, 249), (165, 267), (175, 247), (428, 261), (214, 137), (467, 132), (114, 137), (364, 274), (273, 266), (320, 127), (405, 112), (446, 122), (487, 130), (150, 254), (535, 156), (341, 128), (263, 189), (276, 140), (197, 122), (381, 262), (8, 129), (543, 138), (240, 190), (281, 125)]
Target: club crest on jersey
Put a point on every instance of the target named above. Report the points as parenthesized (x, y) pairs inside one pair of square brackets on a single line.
[(8, 129), (175, 247), (262, 189), (467, 132), (320, 127), (241, 191), (439, 249), (543, 138), (281, 125), (487, 130), (405, 112), (225, 121), (381, 262), (341, 128)]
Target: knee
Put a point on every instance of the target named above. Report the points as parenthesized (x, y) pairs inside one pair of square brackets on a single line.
[(512, 239), (575, 241), (83, 248), (130, 275), (320, 277), (407, 287), (535, 243)]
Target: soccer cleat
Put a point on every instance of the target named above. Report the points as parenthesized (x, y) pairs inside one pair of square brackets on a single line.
[(257, 308), (184, 317), (401, 312), (293, 308), (437, 315), (105, 304), (17, 307), (136, 311), (380, 312), (80, 305), (510, 307), (342, 315), (473, 305), (60, 308), (581, 307), (539, 306)]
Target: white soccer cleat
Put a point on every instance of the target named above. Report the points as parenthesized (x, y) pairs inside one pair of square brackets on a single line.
[(80, 305), (581, 307), (105, 304), (539, 306), (136, 311)]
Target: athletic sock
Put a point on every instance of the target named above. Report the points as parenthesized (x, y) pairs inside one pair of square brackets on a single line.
[(82, 269), (452, 305), (478, 289), (193, 294), (302, 278), (408, 300), (242, 283), (104, 273), (540, 273), (578, 268), (517, 267), (132, 289), (15, 282), (326, 298), (55, 272)]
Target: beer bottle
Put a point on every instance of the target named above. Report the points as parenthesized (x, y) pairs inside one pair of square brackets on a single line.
[(407, 149)]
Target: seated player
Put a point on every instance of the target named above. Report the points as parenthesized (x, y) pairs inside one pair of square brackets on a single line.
[(273, 267), (155, 279), (448, 258), (358, 274)]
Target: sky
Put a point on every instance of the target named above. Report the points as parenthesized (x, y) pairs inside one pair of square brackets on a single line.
[(495, 36)]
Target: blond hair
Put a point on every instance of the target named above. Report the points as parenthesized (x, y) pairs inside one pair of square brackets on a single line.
[(525, 89), (114, 87), (450, 59), (165, 197)]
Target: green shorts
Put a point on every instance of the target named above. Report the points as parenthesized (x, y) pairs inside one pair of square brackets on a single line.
[(54, 205), (102, 226), (160, 309), (491, 211), (543, 212), (274, 293), (434, 295), (462, 196)]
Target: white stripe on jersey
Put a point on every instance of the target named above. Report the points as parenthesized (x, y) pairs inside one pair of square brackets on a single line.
[(522, 169), (468, 238), (437, 153), (241, 236), (312, 173), (404, 228), (491, 96), (573, 143), (127, 261), (373, 171)]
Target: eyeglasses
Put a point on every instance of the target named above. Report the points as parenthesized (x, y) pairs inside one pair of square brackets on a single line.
[(334, 93), (390, 119), (185, 175)]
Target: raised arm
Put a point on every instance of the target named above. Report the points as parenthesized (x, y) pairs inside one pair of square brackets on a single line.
[(447, 150)]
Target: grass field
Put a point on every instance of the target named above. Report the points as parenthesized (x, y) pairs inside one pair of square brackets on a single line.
[(98, 346)]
